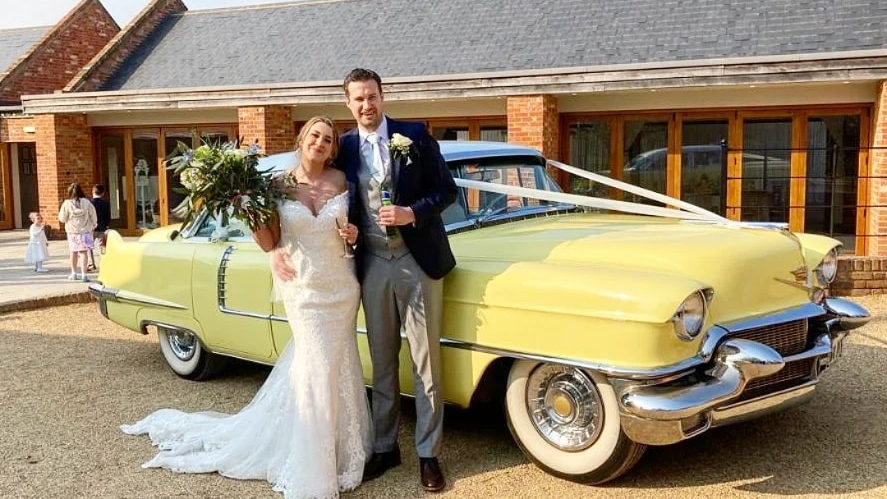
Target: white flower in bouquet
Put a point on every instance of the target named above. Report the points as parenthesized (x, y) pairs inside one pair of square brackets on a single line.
[(225, 180), (193, 179)]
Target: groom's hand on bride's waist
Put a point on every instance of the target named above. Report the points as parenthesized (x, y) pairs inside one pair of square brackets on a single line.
[(280, 265), (396, 215)]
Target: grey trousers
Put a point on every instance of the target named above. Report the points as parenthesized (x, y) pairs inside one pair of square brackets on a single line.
[(397, 293)]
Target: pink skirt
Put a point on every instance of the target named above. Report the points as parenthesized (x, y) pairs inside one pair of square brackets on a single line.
[(80, 242)]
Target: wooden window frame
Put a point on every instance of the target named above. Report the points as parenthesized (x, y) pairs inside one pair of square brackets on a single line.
[(162, 179), (6, 185), (799, 114)]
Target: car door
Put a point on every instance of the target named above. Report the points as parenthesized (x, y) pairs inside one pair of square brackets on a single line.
[(232, 291)]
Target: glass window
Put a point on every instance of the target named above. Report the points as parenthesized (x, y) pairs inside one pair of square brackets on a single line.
[(494, 133), (173, 183), (519, 174), (590, 150), (214, 137), (113, 173), (832, 176), (144, 160), (210, 228), (704, 164), (450, 133), (766, 169), (646, 156)]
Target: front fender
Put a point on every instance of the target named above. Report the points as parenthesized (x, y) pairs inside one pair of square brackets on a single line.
[(816, 247), (587, 291), (609, 316)]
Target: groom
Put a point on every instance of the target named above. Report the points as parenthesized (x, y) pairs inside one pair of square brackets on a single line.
[(402, 256)]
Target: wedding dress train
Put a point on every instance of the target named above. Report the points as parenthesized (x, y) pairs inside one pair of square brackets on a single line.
[(307, 430)]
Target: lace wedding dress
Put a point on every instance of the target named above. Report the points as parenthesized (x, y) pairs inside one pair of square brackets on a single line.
[(307, 430)]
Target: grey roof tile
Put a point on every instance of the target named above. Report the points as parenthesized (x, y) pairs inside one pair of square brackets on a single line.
[(15, 42), (324, 40)]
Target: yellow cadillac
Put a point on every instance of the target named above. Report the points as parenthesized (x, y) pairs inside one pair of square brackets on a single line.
[(603, 326)]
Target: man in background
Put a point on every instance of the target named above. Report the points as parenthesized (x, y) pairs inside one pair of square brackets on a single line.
[(103, 216)]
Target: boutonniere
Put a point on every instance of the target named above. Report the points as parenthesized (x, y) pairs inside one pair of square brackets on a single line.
[(399, 146)]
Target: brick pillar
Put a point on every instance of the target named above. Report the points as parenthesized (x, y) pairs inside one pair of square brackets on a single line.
[(533, 121), (272, 126), (877, 190), (64, 155)]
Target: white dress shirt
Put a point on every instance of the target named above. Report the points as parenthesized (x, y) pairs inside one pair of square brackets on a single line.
[(366, 148)]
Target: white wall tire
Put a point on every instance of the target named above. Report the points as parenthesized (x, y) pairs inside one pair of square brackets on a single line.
[(600, 453), (185, 355)]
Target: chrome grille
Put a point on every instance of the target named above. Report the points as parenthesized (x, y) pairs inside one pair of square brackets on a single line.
[(787, 338), (792, 374)]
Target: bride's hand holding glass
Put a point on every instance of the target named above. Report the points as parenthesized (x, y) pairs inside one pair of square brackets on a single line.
[(348, 233)]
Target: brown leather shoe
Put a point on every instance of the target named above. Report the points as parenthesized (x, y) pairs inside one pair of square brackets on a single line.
[(432, 476), (379, 463)]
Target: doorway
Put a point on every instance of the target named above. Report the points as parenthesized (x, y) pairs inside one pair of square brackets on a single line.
[(25, 162)]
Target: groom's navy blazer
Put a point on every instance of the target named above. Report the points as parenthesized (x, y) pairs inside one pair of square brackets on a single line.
[(425, 185)]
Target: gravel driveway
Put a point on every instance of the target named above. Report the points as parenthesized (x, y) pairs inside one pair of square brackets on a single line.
[(68, 378)]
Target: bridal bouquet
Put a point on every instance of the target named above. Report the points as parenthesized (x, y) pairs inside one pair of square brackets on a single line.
[(225, 180)]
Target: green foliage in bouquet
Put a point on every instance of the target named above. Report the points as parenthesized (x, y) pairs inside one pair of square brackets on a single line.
[(224, 179)]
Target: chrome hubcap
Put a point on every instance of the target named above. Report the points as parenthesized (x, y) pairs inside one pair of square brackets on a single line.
[(182, 343), (564, 406)]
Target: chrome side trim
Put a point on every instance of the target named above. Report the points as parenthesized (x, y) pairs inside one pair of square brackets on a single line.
[(143, 327), (101, 292), (220, 290)]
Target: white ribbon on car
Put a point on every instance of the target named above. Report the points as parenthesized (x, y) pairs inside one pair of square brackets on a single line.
[(687, 211)]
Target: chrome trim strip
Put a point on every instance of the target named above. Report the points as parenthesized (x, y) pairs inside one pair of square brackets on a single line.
[(822, 346), (148, 322), (220, 290), (143, 329), (739, 361), (804, 311), (765, 404), (103, 293)]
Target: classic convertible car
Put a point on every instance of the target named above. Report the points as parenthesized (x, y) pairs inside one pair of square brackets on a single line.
[(602, 332)]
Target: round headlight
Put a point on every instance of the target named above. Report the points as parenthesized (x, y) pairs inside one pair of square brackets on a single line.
[(690, 317), (828, 268)]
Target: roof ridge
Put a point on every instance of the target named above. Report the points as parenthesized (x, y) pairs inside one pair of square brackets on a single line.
[(264, 6)]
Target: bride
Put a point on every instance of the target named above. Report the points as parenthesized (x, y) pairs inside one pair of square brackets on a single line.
[(307, 430)]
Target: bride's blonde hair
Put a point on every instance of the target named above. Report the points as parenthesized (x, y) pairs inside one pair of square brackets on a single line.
[(334, 150)]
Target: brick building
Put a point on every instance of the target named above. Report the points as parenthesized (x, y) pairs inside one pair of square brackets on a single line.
[(38, 61), (759, 110)]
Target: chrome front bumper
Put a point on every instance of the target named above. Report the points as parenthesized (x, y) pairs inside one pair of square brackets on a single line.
[(665, 412)]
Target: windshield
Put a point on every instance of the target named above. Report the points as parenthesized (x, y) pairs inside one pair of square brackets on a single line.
[(472, 204)]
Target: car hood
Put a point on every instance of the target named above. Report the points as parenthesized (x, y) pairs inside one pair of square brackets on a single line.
[(632, 266)]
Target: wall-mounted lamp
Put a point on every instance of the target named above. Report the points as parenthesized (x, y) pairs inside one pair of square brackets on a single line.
[(29, 129)]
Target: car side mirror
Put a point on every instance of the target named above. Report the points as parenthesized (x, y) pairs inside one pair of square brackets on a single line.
[(173, 235)]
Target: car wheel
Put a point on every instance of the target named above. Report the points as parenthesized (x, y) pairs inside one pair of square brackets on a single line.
[(566, 420), (186, 356)]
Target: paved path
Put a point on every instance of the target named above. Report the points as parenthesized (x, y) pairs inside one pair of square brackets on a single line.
[(22, 288)]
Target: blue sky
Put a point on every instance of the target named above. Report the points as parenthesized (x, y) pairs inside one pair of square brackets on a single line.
[(47, 12)]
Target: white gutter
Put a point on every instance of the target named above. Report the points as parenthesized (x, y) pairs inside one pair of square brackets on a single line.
[(867, 65)]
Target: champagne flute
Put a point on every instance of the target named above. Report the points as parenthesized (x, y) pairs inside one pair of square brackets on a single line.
[(349, 252)]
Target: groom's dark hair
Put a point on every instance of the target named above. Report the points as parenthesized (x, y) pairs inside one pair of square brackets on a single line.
[(360, 74)]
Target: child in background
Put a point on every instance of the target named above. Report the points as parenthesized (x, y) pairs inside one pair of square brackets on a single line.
[(38, 246)]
